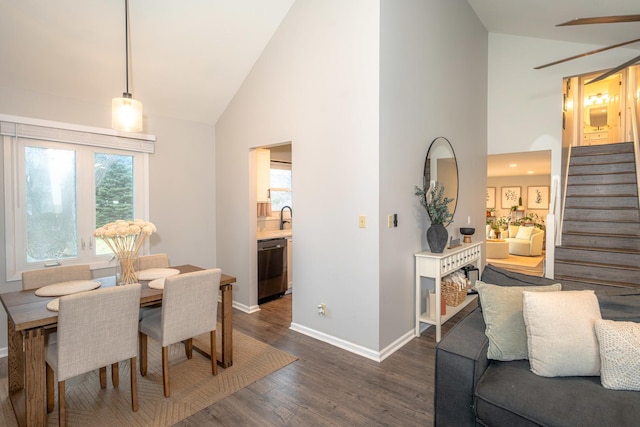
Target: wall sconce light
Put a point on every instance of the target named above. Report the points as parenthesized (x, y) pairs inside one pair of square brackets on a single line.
[(126, 112)]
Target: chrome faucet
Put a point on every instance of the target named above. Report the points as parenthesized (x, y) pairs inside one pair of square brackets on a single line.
[(282, 222)]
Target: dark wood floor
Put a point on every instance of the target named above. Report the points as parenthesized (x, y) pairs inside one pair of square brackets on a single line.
[(327, 385)]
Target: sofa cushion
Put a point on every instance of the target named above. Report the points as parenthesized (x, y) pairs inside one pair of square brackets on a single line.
[(501, 277), (502, 311), (513, 230), (619, 354), (560, 332), (524, 233), (509, 394)]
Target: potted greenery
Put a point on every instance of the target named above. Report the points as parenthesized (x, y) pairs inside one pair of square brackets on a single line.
[(436, 205)]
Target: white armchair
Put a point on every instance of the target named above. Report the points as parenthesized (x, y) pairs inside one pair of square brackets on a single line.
[(525, 241)]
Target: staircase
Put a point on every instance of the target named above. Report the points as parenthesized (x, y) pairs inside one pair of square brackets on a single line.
[(601, 223)]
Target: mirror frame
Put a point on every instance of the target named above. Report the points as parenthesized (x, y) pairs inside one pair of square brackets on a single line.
[(439, 144)]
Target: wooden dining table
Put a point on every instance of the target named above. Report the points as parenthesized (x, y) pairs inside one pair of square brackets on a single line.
[(28, 320)]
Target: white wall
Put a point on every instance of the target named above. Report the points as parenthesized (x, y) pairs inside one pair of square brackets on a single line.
[(182, 180), (433, 76), (316, 85)]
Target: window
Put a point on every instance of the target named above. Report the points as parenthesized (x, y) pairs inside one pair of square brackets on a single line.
[(58, 193), (280, 175)]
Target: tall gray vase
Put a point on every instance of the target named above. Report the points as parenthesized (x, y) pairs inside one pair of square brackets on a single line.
[(437, 237)]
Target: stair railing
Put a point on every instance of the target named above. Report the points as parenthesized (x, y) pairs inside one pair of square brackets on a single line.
[(634, 101)]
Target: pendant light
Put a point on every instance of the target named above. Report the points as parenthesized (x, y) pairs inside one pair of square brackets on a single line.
[(126, 112)]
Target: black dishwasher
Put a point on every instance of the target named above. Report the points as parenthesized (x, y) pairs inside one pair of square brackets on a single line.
[(272, 269)]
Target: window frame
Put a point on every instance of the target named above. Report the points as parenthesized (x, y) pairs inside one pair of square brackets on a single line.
[(283, 166), (18, 132)]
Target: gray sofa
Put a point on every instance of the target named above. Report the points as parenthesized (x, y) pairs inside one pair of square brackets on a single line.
[(471, 390)]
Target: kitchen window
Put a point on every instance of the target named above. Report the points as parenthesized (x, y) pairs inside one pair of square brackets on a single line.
[(58, 192), (280, 185)]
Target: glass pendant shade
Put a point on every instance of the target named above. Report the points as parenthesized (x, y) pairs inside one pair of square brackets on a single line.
[(126, 114)]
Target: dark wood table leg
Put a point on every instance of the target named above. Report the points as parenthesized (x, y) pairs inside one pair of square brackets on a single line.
[(226, 359), (26, 375)]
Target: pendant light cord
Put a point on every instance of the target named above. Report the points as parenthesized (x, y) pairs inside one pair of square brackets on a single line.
[(126, 42)]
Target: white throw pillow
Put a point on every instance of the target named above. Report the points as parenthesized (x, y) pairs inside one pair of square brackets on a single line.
[(619, 354), (560, 332), (513, 231), (502, 312), (524, 233)]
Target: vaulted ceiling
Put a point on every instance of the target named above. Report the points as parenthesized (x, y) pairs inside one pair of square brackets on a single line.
[(189, 58)]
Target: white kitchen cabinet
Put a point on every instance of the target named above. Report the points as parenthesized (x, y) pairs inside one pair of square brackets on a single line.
[(263, 172), (289, 262)]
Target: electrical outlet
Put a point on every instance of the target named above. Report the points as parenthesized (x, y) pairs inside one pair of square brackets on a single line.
[(362, 221), (390, 221), (322, 309)]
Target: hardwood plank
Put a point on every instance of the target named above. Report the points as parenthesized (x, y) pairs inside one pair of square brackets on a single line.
[(328, 385)]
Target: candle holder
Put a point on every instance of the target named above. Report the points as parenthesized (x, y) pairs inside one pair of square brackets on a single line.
[(467, 232)]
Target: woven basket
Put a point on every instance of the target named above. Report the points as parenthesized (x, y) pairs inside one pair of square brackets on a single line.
[(453, 292)]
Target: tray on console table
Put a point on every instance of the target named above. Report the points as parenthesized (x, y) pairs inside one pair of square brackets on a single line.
[(435, 266)]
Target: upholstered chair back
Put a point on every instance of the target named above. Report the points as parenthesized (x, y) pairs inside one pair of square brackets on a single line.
[(96, 329), (146, 262), (189, 305), (47, 276)]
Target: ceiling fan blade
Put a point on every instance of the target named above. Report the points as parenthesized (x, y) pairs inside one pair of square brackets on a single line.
[(586, 54), (614, 70), (601, 20)]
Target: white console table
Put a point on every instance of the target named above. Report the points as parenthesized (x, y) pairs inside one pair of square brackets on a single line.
[(435, 266)]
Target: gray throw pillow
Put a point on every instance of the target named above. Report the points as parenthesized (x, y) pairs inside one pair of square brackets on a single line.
[(502, 312)]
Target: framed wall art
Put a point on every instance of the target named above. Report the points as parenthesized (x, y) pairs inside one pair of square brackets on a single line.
[(491, 197), (510, 196), (538, 197)]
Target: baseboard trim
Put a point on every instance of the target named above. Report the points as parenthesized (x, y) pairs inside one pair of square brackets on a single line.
[(397, 344), (246, 308), (377, 356), (4, 352), (337, 342)]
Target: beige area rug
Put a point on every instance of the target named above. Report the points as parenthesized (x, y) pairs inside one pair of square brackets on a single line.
[(532, 265), (193, 388)]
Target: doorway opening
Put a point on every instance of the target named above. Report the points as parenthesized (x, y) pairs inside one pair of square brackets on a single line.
[(518, 191), (603, 112), (274, 222)]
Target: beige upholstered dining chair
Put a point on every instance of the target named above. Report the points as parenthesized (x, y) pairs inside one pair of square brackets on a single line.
[(146, 262), (189, 308), (95, 329), (48, 276)]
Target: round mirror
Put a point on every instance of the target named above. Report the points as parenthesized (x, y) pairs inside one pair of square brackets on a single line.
[(441, 166)]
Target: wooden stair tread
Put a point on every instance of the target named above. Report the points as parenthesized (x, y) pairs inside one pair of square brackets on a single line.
[(591, 248), (593, 233), (593, 282), (598, 264)]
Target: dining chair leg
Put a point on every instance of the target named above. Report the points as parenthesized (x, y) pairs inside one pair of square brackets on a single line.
[(115, 374), (62, 413), (212, 346), (50, 392), (134, 385), (103, 377), (165, 370), (143, 354), (188, 348)]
